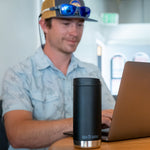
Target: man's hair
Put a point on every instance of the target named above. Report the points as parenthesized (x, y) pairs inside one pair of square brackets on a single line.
[(48, 22)]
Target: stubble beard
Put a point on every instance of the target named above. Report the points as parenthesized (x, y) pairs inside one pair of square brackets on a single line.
[(70, 48)]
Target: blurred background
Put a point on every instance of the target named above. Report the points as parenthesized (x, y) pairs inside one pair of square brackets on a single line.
[(121, 34)]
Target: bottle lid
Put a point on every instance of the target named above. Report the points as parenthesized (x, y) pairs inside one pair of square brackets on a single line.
[(86, 81)]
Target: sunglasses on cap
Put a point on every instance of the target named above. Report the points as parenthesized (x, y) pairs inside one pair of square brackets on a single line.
[(70, 10)]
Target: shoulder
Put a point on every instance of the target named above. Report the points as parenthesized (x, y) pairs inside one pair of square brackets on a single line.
[(26, 66), (89, 68), (22, 66), (22, 69), (18, 73)]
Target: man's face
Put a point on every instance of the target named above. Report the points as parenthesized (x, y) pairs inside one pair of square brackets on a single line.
[(65, 34)]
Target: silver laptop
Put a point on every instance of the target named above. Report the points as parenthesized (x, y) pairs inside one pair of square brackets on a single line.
[(131, 117)]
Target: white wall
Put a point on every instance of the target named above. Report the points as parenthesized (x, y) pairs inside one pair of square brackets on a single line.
[(18, 31)]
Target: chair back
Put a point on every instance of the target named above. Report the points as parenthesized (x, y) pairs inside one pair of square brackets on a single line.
[(3, 137)]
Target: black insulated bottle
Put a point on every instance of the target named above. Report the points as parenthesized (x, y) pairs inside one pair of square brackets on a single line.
[(87, 112)]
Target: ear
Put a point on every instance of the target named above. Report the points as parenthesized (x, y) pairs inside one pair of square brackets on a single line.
[(43, 25)]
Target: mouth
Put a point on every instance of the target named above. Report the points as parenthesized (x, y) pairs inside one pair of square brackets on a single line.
[(72, 41)]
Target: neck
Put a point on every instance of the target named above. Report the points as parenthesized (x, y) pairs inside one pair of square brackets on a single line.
[(60, 60)]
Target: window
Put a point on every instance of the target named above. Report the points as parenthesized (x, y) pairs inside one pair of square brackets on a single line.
[(117, 65)]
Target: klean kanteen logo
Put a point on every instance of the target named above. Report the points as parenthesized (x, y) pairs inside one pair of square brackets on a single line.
[(75, 3)]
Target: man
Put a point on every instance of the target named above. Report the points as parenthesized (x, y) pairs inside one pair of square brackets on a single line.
[(37, 93)]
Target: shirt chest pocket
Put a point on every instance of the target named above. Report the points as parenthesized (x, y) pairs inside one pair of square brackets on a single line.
[(46, 106)]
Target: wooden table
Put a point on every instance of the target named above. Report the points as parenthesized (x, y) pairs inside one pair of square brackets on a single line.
[(134, 144)]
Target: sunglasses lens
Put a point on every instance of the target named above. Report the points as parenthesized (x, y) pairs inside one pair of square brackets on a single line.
[(67, 10), (84, 11), (71, 10)]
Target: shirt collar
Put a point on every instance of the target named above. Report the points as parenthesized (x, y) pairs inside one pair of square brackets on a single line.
[(41, 59), (75, 63)]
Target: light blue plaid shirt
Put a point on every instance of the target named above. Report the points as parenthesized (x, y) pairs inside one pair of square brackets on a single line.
[(36, 85)]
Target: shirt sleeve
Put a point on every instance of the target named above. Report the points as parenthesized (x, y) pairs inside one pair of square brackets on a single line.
[(108, 101), (14, 93)]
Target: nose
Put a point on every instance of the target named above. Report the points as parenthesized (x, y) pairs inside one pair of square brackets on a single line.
[(73, 29)]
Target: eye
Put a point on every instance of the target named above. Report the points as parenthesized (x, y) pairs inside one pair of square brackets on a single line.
[(66, 23), (80, 24)]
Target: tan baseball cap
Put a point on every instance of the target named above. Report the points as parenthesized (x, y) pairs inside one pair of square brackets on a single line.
[(47, 13)]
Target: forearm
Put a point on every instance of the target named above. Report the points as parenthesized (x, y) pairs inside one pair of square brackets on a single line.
[(37, 134), (43, 133)]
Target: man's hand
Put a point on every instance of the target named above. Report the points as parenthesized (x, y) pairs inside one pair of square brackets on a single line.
[(106, 118)]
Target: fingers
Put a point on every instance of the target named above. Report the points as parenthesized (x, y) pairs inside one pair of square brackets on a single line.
[(107, 113), (106, 122), (106, 118)]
